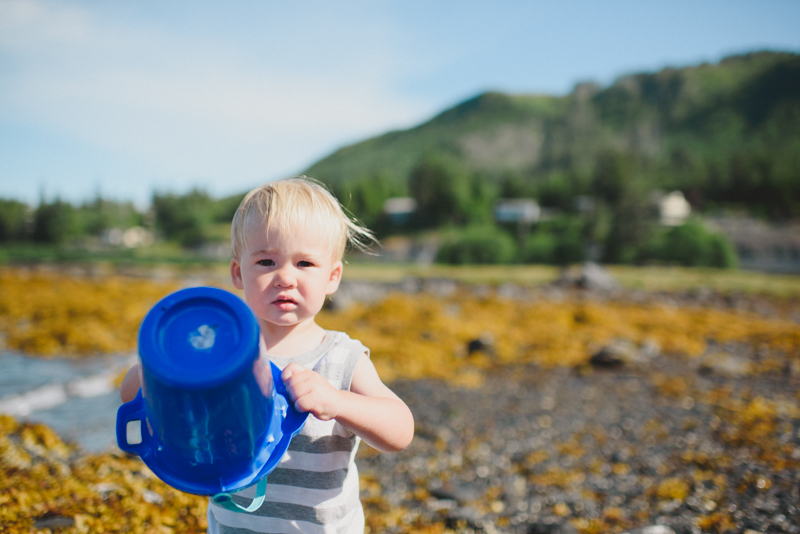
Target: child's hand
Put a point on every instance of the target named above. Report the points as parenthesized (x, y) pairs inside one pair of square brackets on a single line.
[(131, 383), (263, 374), (310, 392)]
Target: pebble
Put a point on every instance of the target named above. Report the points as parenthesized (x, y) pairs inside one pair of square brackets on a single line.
[(55, 522), (652, 529)]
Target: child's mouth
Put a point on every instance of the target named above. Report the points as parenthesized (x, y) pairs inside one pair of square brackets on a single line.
[(284, 304)]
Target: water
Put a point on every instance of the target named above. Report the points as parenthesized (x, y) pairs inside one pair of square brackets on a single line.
[(74, 397)]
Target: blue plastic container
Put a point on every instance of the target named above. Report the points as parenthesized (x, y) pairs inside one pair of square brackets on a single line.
[(201, 422)]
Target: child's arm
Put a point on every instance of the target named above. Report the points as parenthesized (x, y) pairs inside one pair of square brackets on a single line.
[(130, 384), (370, 409)]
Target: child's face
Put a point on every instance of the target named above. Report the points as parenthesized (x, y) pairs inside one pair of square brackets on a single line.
[(285, 278)]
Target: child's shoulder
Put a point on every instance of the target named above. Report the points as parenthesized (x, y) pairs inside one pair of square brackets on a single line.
[(338, 363), (343, 341)]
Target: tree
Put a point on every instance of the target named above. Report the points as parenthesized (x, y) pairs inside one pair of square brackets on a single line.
[(53, 223), (225, 208), (365, 196), (612, 177), (13, 215), (441, 187), (616, 186), (101, 214), (480, 205), (185, 218)]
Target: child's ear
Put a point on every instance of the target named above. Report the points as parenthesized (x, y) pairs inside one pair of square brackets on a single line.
[(236, 274), (336, 277)]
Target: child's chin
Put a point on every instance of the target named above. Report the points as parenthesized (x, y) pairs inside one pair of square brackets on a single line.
[(289, 319)]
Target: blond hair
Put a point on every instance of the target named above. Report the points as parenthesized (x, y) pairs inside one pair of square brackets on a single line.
[(292, 204)]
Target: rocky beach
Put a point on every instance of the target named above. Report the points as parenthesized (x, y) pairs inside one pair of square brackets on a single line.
[(666, 448), (575, 407)]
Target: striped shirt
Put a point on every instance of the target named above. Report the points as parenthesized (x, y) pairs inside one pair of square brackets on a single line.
[(314, 489)]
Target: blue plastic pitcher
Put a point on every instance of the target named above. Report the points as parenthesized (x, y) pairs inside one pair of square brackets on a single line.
[(201, 422)]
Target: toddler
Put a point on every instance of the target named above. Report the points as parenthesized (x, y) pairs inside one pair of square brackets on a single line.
[(288, 239)]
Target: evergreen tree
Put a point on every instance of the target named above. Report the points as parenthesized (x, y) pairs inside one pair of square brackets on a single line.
[(54, 222), (13, 218), (441, 187), (184, 218)]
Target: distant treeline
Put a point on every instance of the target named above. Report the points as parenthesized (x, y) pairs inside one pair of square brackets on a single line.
[(619, 224), (610, 217), (191, 219), (58, 221)]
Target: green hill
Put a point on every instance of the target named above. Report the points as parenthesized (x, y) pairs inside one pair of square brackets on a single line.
[(726, 134)]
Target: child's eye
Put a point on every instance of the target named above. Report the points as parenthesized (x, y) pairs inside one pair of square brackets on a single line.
[(304, 264), (266, 263)]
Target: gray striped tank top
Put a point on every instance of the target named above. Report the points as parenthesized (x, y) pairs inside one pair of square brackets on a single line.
[(314, 489)]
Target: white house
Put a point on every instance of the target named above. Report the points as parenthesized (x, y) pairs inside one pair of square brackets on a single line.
[(517, 210), (673, 209), (399, 209)]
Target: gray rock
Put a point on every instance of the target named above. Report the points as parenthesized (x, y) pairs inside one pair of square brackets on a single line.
[(481, 291), (652, 529), (484, 343), (595, 277), (350, 292), (54, 522), (461, 493), (724, 364), (440, 287), (465, 514), (409, 285), (590, 276), (766, 504), (792, 368), (512, 292), (618, 353), (649, 349), (551, 527)]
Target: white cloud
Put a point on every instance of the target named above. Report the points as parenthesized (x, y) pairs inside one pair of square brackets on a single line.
[(30, 24), (188, 120), (187, 109)]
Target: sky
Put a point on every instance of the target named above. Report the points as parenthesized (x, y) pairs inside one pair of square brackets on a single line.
[(124, 99)]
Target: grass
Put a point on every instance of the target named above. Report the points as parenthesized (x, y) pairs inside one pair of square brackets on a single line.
[(160, 253), (170, 257), (728, 281), (528, 275), (629, 277)]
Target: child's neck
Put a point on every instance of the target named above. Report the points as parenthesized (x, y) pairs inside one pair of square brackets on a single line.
[(288, 342)]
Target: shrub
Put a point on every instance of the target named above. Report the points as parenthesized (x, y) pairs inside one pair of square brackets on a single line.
[(559, 242), (540, 248), (693, 245), (569, 249), (477, 244)]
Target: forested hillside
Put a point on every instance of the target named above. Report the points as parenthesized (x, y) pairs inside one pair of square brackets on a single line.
[(726, 134)]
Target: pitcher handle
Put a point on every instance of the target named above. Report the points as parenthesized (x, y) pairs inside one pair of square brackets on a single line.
[(226, 499), (130, 436)]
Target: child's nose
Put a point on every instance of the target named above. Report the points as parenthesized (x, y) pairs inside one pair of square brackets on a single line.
[(285, 278)]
